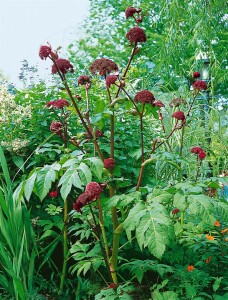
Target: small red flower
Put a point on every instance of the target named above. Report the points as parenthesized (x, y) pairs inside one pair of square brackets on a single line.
[(83, 79), (60, 103), (103, 66), (113, 286), (144, 96), (111, 79), (200, 85), (53, 194), (64, 66), (136, 35), (196, 150), (109, 163), (44, 52), (93, 190), (130, 11), (217, 224), (77, 206), (175, 211), (56, 127), (179, 115), (196, 75), (202, 155), (83, 198), (158, 104), (99, 133), (190, 268)]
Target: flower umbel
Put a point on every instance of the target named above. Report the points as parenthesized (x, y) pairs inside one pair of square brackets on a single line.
[(179, 115), (93, 190), (136, 35), (56, 127), (196, 75), (63, 65), (130, 11), (144, 96), (200, 85), (103, 66), (60, 103), (45, 51), (109, 163), (53, 194), (111, 79)]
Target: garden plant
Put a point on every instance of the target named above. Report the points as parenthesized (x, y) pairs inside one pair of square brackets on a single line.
[(120, 200)]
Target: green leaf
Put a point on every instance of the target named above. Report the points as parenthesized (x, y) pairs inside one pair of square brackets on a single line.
[(45, 177), (85, 173), (222, 209), (165, 295), (96, 166), (19, 161), (29, 185), (201, 205), (179, 201), (70, 178)]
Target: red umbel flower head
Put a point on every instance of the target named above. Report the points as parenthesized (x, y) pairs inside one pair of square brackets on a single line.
[(60, 103), (136, 35), (196, 150), (144, 96), (111, 79), (93, 190), (109, 163), (199, 151), (77, 206), (56, 127), (158, 103), (103, 66), (44, 52), (98, 133), (130, 11), (53, 194), (177, 102), (63, 65), (202, 155), (83, 198), (179, 115), (175, 211), (196, 75), (84, 80), (200, 85)]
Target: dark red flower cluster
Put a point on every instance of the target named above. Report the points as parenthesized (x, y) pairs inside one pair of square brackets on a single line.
[(175, 211), (196, 150), (83, 79), (56, 127), (53, 194), (196, 75), (200, 85), (199, 151), (63, 65), (60, 103), (136, 35), (109, 163), (176, 102), (130, 11), (98, 133), (45, 51), (158, 104), (113, 286), (179, 115), (103, 66), (144, 96), (111, 79), (92, 192)]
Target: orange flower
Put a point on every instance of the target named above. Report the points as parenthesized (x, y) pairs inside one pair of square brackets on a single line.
[(209, 237), (190, 268), (217, 224), (208, 260), (224, 230)]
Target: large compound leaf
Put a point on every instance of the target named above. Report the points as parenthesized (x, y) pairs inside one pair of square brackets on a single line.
[(152, 225), (96, 166), (70, 178), (85, 173), (45, 177), (29, 185)]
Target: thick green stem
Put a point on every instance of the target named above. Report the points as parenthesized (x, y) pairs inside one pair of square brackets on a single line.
[(141, 133), (182, 219), (65, 248), (101, 222), (115, 251)]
